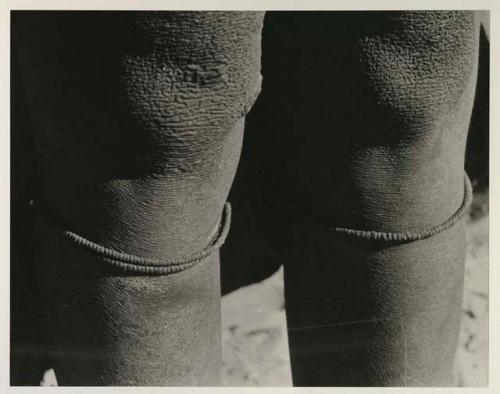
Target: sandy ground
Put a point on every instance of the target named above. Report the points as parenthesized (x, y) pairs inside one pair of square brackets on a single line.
[(255, 349), (472, 353)]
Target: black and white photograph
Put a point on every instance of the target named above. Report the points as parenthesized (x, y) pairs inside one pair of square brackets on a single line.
[(249, 197)]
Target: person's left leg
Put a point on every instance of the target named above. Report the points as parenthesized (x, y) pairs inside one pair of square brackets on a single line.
[(371, 112)]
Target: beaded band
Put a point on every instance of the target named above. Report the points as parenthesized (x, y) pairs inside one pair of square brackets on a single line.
[(403, 236), (135, 264)]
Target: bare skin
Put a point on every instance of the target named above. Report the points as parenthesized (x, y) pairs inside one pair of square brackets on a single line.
[(137, 143), (138, 124), (375, 140)]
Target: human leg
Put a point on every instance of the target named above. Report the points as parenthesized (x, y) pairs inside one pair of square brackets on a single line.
[(138, 119), (375, 140)]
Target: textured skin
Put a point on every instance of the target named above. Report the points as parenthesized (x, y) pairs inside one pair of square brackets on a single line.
[(133, 131), (138, 120), (383, 101), (381, 314), (373, 140), (109, 328)]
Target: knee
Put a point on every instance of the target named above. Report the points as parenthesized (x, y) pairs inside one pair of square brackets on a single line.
[(141, 93), (187, 80), (388, 98), (139, 119), (420, 78), (419, 67)]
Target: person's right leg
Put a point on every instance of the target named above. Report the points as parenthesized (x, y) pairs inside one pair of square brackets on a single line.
[(137, 122), (370, 113)]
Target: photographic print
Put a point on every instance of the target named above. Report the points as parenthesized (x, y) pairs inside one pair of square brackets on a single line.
[(249, 198)]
